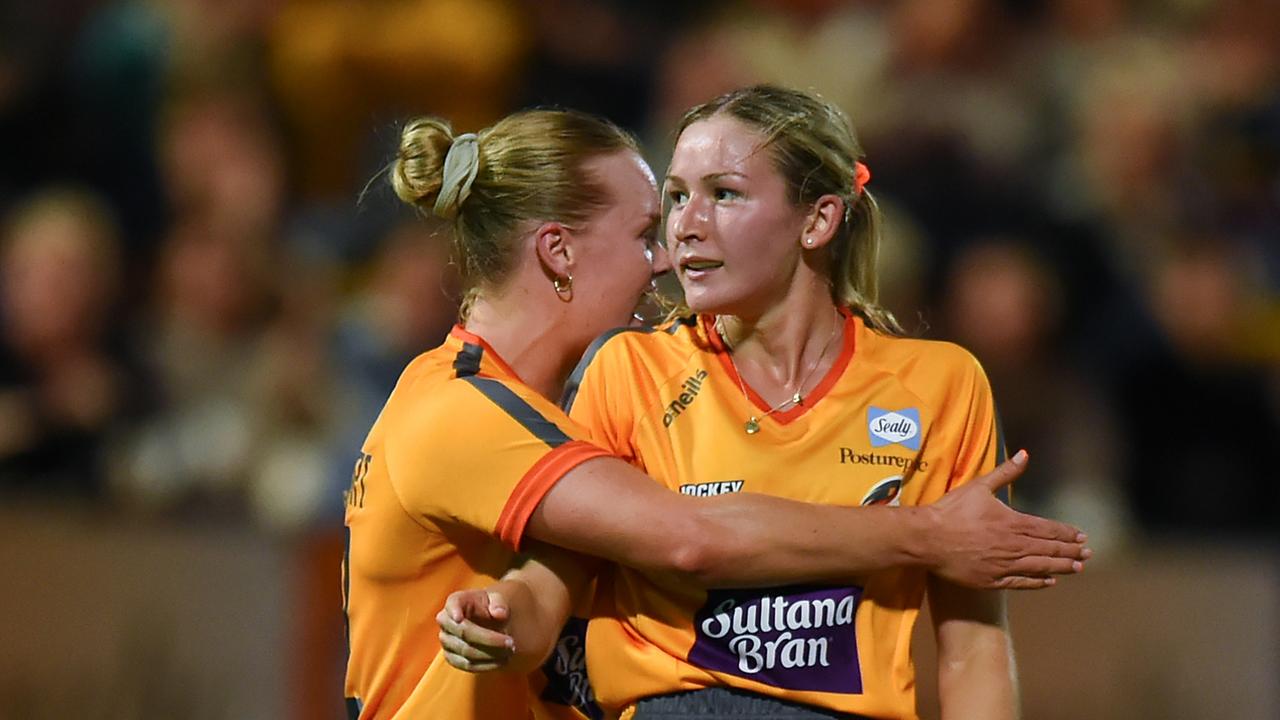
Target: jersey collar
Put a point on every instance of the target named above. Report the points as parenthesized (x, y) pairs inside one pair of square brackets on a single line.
[(476, 357), (848, 343)]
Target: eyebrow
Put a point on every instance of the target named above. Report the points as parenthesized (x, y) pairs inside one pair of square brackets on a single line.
[(710, 178)]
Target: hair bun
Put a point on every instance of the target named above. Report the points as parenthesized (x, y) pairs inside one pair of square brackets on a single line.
[(417, 173)]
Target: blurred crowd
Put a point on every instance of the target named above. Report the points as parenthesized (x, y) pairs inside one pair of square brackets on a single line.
[(207, 289)]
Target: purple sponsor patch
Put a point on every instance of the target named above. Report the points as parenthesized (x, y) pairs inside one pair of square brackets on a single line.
[(566, 671), (795, 638)]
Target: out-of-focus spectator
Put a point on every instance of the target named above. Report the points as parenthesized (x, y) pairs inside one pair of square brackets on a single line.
[(1201, 421), (1004, 305), (339, 67), (838, 48), (64, 384), (604, 60), (238, 336), (222, 163)]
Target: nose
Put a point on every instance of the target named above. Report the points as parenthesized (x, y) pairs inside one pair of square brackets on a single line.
[(659, 259), (689, 223)]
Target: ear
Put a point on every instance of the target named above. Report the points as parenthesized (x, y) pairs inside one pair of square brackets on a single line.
[(554, 244), (823, 221)]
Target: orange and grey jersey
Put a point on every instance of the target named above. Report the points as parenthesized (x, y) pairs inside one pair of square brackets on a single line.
[(896, 421), (460, 456)]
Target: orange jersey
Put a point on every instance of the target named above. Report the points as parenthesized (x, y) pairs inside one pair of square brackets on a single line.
[(450, 473), (896, 421)]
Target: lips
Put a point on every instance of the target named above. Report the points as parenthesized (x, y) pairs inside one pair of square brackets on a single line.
[(696, 267)]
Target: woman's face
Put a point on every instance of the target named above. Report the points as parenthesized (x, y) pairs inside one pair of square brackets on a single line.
[(616, 252), (733, 235)]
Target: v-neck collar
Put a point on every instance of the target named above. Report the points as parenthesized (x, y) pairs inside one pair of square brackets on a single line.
[(819, 391)]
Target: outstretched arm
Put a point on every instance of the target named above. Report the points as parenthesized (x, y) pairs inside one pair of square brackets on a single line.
[(968, 537), (607, 508)]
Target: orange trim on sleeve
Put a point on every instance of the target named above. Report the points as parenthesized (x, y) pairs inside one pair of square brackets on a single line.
[(536, 483)]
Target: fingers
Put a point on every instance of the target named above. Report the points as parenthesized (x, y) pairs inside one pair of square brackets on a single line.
[(474, 653), (477, 605), (1025, 583), (1036, 548), (1045, 566), (471, 666), (497, 606), (1043, 528), (474, 634), (1005, 473), (463, 604)]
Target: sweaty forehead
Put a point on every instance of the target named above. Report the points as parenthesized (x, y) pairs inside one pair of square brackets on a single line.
[(719, 144)]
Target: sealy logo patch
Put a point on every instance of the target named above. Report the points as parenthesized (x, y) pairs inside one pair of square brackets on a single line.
[(689, 390), (894, 427), (711, 488), (796, 638), (886, 492)]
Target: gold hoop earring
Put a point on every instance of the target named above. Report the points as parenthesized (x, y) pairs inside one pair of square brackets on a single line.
[(564, 287)]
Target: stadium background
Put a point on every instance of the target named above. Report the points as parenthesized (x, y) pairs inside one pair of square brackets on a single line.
[(198, 321)]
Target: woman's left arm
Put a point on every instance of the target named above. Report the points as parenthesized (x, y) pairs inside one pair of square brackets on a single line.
[(976, 673)]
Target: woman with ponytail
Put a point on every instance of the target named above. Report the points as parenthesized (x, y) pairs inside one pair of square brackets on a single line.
[(782, 376)]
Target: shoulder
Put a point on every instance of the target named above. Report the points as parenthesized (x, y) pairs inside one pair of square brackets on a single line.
[(676, 336), (928, 367), (652, 351)]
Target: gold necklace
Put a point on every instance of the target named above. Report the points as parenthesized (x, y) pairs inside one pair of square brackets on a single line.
[(752, 425)]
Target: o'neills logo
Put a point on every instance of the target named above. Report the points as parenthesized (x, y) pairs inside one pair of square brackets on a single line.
[(690, 388), (905, 464), (796, 638)]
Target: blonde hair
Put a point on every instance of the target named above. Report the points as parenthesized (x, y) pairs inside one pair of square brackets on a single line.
[(815, 150), (530, 168)]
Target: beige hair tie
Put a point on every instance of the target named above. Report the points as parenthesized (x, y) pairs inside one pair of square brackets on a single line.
[(460, 167)]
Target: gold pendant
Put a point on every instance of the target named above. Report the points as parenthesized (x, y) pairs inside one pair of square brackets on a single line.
[(752, 426)]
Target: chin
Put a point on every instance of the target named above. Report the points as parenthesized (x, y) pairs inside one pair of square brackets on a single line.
[(706, 303)]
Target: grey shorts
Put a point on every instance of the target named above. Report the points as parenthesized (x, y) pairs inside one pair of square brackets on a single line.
[(727, 703)]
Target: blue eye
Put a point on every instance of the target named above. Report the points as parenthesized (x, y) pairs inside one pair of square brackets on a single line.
[(677, 197), (727, 194)]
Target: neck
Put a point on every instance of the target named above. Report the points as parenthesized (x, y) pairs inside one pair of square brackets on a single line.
[(531, 339), (790, 345)]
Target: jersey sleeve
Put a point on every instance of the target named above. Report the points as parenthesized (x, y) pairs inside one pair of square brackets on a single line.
[(981, 445), (600, 394), (482, 455)]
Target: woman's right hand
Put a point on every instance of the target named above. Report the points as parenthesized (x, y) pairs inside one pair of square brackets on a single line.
[(979, 542), (472, 626)]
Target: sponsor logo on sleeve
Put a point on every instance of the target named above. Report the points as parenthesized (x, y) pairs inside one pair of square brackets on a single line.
[(566, 671), (795, 638), (894, 427)]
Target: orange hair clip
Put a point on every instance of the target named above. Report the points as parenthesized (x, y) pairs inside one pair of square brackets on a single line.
[(861, 176)]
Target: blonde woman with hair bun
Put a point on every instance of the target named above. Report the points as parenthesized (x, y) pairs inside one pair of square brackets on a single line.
[(554, 219)]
